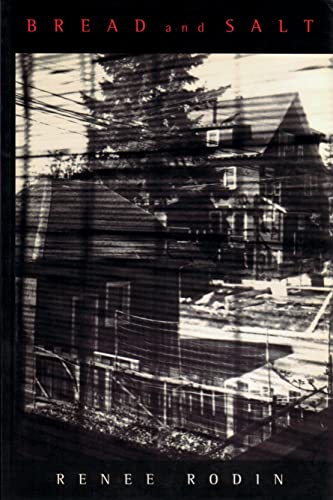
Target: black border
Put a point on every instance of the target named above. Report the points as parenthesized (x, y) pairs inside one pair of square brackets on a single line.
[(7, 296), (157, 14), (311, 479)]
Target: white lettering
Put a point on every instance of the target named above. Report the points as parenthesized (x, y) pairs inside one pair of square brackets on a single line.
[(278, 478), (128, 479), (150, 479), (190, 479), (60, 479), (82, 479), (105, 478), (236, 479), (213, 479)]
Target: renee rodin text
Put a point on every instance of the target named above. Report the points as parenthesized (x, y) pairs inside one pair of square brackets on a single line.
[(150, 479)]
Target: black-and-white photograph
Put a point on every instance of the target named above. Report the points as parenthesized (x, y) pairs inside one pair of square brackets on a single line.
[(174, 272)]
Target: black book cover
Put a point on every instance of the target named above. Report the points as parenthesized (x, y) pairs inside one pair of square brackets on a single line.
[(166, 250)]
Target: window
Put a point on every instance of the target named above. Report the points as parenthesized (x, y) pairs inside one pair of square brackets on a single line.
[(294, 395), (290, 150), (282, 150), (215, 221), (277, 226), (218, 222), (266, 391), (212, 138), (269, 216), (239, 224), (277, 192), (285, 143), (229, 178), (272, 190), (300, 151), (272, 222), (117, 298), (242, 386)]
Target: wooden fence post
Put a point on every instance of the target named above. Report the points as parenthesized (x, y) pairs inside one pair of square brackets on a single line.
[(274, 400)]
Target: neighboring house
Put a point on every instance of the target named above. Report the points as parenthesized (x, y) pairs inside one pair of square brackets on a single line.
[(289, 395), (98, 309), (84, 255), (98, 312), (284, 338), (261, 207)]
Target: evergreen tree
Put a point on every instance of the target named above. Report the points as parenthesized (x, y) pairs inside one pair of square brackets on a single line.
[(145, 103), (145, 107)]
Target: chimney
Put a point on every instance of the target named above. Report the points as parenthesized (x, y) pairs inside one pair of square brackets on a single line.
[(215, 111), (241, 134)]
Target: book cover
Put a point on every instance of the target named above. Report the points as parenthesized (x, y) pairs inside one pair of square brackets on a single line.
[(167, 250)]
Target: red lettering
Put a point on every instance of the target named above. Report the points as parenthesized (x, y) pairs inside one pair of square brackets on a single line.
[(31, 25), (230, 25), (281, 27), (308, 24), (58, 25), (112, 26), (85, 28), (140, 25), (201, 27), (256, 26)]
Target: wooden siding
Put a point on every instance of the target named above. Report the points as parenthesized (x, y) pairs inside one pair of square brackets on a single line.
[(84, 220)]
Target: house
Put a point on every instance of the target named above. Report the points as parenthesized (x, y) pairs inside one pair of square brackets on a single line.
[(279, 345), (98, 310), (268, 390), (260, 205), (89, 266)]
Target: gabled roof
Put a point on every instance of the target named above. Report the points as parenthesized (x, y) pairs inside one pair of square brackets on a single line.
[(83, 220), (265, 114)]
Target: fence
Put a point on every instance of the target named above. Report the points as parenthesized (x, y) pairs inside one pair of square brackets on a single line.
[(156, 377)]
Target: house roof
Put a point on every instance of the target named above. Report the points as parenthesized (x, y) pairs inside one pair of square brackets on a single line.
[(239, 306), (265, 114), (273, 204), (83, 220)]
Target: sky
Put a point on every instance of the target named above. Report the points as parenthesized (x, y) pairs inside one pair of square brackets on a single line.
[(264, 74)]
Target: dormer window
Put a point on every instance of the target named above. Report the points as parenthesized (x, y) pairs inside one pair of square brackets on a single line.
[(286, 144), (229, 178), (212, 138)]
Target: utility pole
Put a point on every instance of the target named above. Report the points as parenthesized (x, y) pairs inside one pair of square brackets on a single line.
[(27, 287), (272, 400), (330, 380), (329, 363)]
